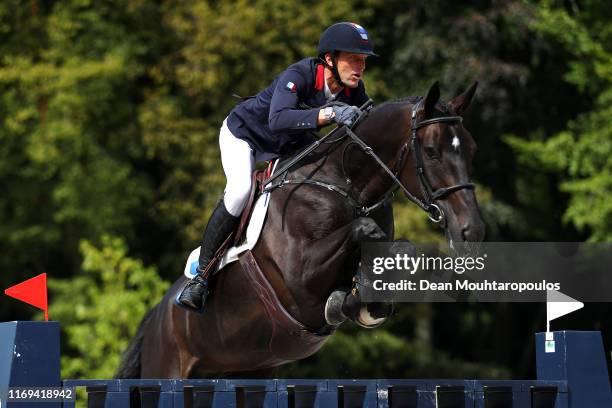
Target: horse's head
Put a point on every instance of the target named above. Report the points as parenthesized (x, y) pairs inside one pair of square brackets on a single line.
[(440, 146)]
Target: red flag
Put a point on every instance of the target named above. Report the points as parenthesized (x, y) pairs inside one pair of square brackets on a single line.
[(32, 291)]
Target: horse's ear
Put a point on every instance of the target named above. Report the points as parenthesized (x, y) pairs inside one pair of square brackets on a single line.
[(433, 95), (462, 102)]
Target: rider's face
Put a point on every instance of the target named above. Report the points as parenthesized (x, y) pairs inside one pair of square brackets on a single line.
[(351, 67)]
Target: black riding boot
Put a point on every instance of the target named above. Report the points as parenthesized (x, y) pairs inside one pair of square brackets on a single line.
[(220, 225)]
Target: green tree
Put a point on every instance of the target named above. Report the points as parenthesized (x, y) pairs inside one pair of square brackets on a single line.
[(69, 75), (383, 353), (99, 309), (580, 156), (519, 75), (110, 115)]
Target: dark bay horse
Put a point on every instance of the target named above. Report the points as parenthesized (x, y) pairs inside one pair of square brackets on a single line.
[(310, 244)]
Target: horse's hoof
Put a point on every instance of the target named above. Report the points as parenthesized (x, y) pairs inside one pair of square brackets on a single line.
[(371, 319), (333, 308)]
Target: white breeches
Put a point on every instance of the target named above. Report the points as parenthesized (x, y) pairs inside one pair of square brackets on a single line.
[(238, 160)]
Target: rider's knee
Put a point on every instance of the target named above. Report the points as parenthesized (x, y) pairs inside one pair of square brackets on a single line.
[(236, 196)]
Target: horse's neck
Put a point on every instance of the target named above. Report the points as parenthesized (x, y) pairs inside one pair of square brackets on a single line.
[(385, 132)]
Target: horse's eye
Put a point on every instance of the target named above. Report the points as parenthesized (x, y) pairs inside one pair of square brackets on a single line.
[(432, 152)]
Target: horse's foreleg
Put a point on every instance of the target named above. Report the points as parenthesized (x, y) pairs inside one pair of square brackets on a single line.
[(349, 304), (336, 253), (330, 262), (371, 315)]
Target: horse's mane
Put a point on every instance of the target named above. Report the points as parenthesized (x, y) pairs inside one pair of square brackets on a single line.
[(442, 106)]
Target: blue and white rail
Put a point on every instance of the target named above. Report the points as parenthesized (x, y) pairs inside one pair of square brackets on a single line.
[(574, 375)]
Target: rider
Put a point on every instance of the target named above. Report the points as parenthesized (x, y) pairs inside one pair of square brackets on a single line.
[(275, 123)]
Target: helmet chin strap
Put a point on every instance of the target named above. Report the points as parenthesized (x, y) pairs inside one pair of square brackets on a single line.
[(334, 70)]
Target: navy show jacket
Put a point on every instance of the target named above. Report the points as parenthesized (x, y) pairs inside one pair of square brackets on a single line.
[(275, 123)]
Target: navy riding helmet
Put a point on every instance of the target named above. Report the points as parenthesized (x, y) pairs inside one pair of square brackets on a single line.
[(345, 36)]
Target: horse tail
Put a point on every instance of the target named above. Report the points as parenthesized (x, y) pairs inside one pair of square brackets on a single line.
[(130, 363)]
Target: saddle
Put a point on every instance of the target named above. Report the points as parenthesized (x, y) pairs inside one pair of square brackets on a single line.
[(260, 179), (257, 186), (238, 235)]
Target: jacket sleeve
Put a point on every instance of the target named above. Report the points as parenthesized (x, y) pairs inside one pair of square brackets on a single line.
[(284, 112)]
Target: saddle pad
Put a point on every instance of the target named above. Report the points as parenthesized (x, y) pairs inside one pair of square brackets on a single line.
[(254, 228)]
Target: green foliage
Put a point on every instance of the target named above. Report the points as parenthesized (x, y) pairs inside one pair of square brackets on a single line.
[(412, 224), (494, 44), (109, 118), (499, 216), (100, 307), (110, 115), (354, 352), (581, 155), (68, 133)]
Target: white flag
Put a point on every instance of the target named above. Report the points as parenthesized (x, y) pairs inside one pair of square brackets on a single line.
[(558, 304)]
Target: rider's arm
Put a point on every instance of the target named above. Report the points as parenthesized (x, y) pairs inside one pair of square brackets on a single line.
[(284, 112)]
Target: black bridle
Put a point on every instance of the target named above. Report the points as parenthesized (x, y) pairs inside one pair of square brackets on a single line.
[(429, 196), (427, 204)]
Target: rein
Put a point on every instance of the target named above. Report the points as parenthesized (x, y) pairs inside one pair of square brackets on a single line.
[(427, 204)]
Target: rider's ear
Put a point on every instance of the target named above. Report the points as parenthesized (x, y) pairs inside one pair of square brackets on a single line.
[(462, 102), (431, 99)]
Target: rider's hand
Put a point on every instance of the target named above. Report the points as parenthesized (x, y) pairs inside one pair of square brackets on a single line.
[(346, 115)]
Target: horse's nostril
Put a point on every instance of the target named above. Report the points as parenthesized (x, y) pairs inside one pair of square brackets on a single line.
[(466, 232), (472, 232)]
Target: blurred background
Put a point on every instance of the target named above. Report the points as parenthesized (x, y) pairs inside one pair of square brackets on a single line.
[(109, 161)]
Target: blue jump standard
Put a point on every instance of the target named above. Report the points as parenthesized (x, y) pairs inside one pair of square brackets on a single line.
[(573, 376)]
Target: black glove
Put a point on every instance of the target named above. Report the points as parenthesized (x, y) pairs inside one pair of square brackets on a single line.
[(346, 115)]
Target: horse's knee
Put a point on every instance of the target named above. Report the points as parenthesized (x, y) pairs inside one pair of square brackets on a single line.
[(367, 228)]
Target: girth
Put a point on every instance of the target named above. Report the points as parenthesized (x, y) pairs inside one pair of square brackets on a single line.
[(278, 315)]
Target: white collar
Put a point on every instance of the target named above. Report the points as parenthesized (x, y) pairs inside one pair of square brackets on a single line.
[(329, 96)]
